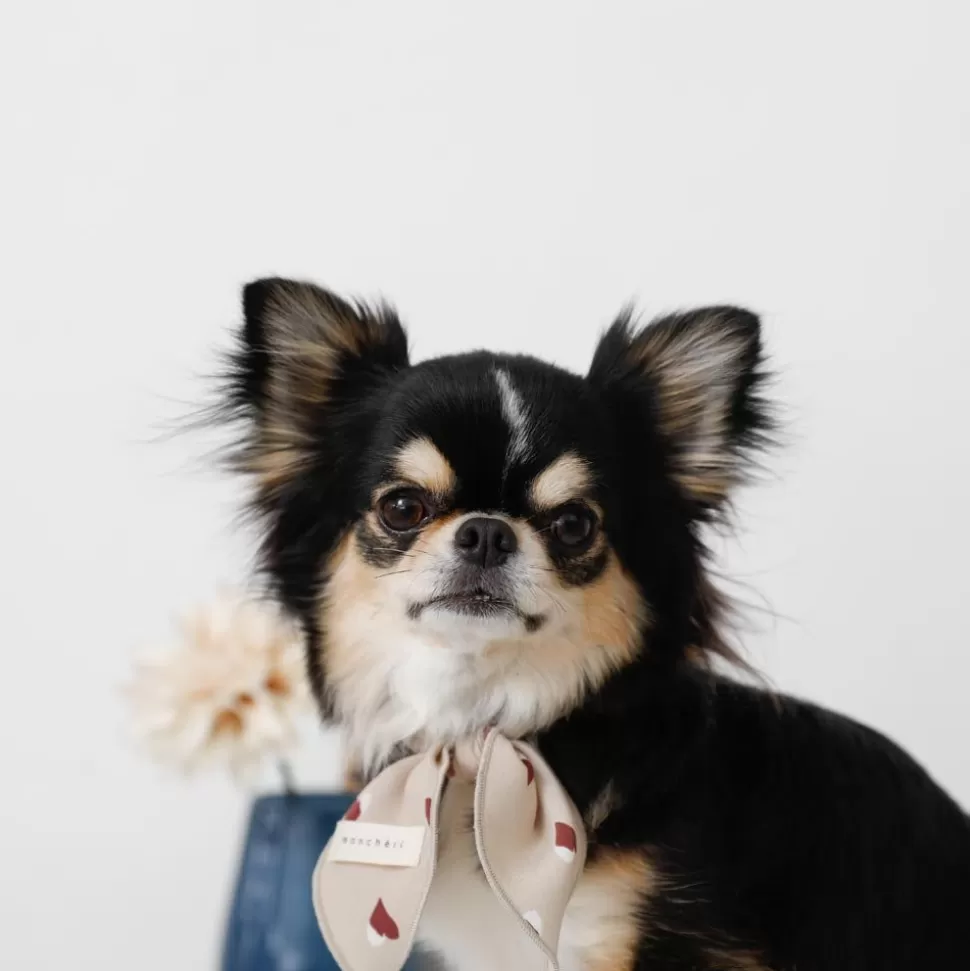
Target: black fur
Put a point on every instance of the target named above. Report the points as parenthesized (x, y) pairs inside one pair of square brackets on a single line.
[(780, 830)]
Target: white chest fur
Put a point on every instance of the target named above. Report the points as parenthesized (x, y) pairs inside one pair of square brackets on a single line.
[(468, 927)]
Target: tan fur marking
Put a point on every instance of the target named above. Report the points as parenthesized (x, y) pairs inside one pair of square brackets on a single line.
[(274, 467), (420, 463), (603, 919), (353, 776), (437, 524), (352, 581), (615, 611), (565, 479)]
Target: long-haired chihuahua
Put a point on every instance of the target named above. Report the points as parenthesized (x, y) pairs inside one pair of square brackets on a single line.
[(489, 540)]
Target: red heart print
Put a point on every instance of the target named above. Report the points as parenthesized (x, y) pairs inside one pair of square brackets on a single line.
[(530, 772), (381, 926), (359, 806), (565, 842)]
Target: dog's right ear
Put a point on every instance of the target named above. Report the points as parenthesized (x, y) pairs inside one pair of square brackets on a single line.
[(304, 358)]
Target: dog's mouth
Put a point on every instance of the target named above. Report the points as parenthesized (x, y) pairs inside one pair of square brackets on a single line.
[(477, 603)]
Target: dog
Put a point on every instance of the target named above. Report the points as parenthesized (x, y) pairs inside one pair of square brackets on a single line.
[(488, 540)]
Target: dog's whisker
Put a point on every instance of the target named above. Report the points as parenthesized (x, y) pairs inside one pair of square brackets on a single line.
[(391, 573), (393, 549)]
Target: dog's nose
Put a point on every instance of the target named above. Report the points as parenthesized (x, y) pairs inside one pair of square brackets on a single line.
[(486, 541)]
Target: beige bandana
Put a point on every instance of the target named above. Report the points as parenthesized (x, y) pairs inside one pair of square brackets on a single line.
[(373, 877)]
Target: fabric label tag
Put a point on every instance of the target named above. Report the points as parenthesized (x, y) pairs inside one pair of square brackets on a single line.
[(378, 844)]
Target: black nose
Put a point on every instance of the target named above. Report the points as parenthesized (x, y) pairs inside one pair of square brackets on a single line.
[(486, 541)]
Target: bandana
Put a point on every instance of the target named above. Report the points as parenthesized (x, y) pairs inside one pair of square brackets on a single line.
[(374, 875)]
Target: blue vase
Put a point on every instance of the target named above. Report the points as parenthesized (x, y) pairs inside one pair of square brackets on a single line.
[(272, 926)]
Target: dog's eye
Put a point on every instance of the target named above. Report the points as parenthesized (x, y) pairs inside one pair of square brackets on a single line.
[(403, 511), (574, 528)]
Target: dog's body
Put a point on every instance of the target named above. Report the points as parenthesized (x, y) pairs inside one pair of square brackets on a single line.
[(488, 540), (752, 833)]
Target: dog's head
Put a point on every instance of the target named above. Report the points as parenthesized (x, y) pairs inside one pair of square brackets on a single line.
[(486, 539)]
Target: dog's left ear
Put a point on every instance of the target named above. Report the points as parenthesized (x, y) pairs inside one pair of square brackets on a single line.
[(697, 378)]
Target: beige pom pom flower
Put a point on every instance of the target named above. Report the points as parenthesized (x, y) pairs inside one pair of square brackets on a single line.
[(231, 691)]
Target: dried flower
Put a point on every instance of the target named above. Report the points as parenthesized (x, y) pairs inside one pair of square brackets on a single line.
[(231, 691)]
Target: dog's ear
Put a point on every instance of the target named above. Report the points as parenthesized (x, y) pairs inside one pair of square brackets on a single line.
[(305, 360), (698, 377)]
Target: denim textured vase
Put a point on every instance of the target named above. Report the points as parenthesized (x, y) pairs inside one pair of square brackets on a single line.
[(271, 925)]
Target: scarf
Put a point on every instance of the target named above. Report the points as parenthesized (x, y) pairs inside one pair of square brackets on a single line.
[(374, 875)]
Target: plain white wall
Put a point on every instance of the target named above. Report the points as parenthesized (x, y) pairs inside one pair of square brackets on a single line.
[(508, 173)]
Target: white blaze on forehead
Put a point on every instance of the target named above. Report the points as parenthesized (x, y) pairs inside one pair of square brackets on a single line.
[(513, 411), (567, 478), (421, 463)]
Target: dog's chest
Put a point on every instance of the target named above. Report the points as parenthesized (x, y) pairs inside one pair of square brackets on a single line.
[(466, 924)]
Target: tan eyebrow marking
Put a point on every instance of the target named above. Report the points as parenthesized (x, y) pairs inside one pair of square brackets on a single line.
[(569, 477), (421, 463)]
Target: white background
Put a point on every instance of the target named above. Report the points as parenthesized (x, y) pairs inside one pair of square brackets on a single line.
[(508, 173)]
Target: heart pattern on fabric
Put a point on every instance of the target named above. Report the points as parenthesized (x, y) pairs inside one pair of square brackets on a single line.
[(358, 806), (565, 842), (381, 926)]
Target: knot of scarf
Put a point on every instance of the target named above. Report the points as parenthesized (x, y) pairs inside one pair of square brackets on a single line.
[(374, 875)]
